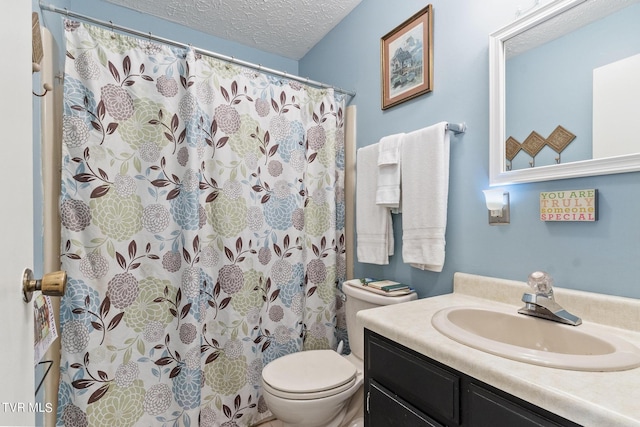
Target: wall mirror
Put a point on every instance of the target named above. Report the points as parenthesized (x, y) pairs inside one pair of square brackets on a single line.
[(565, 92)]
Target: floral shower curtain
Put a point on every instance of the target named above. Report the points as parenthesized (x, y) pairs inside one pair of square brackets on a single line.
[(203, 232)]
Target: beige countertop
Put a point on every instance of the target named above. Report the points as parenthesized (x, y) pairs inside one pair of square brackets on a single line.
[(587, 398)]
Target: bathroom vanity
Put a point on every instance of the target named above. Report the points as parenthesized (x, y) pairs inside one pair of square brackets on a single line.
[(406, 388), (414, 375)]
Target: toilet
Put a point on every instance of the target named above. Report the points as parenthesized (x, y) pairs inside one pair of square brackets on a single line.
[(321, 388)]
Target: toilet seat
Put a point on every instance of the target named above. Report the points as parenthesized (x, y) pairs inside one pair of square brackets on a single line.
[(311, 374)]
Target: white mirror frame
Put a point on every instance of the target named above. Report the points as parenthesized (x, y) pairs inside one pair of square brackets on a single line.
[(498, 175)]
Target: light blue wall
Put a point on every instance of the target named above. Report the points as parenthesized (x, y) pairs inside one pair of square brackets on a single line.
[(599, 257)]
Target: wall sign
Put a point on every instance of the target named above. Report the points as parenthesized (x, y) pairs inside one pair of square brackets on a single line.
[(569, 205)]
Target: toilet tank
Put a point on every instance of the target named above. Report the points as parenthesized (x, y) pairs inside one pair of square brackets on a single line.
[(361, 299)]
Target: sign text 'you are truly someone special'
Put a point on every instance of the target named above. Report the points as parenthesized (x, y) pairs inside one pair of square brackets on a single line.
[(569, 205)]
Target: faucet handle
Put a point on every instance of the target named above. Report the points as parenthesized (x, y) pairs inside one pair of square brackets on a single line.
[(541, 283)]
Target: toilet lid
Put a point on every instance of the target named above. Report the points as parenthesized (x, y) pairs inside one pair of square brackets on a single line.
[(315, 372)]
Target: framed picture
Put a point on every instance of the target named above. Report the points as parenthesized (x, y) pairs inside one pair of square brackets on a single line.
[(406, 57)]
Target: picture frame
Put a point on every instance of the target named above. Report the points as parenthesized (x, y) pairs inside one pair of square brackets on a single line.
[(406, 59)]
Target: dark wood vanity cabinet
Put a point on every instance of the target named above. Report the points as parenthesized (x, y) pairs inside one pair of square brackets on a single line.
[(404, 388)]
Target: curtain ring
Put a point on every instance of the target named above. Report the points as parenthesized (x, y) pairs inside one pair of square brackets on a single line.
[(66, 11), (113, 35)]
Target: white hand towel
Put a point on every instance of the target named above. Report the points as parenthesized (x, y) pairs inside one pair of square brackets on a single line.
[(389, 149), (389, 159), (425, 193), (374, 232)]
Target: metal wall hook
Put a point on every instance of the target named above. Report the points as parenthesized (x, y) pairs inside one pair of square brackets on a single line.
[(51, 284)]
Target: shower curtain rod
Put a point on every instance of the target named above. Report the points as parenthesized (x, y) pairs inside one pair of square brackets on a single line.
[(112, 26)]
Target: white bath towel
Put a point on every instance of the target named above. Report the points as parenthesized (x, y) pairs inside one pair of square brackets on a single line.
[(425, 193), (389, 159), (374, 232)]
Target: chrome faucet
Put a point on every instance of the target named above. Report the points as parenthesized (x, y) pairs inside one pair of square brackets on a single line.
[(541, 302)]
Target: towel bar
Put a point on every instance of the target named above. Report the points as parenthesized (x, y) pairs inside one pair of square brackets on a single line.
[(457, 127)]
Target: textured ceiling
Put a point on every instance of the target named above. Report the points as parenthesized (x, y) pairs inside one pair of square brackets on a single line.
[(564, 23), (289, 28)]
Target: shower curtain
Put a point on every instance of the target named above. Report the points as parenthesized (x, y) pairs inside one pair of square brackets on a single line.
[(202, 213)]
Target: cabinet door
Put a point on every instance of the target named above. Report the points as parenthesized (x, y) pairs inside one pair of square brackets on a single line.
[(424, 385), (386, 409), (486, 409)]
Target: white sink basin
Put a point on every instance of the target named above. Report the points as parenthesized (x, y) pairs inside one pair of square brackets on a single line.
[(536, 341)]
